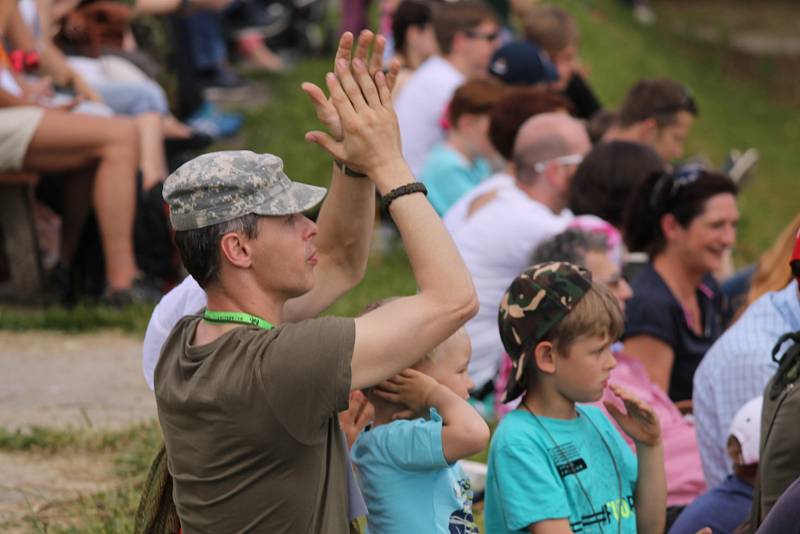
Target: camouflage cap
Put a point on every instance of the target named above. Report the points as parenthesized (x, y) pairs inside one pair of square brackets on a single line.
[(535, 301), (221, 186)]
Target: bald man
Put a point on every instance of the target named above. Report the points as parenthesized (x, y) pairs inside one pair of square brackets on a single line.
[(498, 238)]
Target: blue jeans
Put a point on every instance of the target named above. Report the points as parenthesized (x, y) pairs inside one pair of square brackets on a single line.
[(206, 42)]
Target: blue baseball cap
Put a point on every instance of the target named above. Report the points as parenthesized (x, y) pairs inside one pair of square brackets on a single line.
[(522, 63)]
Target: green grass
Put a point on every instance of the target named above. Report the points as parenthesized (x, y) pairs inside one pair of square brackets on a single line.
[(131, 451)]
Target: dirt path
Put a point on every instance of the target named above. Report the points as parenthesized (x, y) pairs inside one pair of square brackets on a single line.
[(63, 381), (67, 380)]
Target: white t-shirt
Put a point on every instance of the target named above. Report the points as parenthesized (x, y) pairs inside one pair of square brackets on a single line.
[(185, 299), (497, 243), (456, 216), (420, 106)]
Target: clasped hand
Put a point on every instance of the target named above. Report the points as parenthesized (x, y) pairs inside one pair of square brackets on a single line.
[(359, 115)]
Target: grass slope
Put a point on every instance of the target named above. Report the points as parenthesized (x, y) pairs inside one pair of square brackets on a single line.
[(734, 112)]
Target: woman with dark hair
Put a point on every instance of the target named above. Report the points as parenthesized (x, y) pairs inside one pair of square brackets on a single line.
[(414, 40), (686, 222), (607, 177)]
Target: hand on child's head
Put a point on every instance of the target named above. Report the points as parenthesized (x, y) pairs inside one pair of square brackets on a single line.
[(410, 388)]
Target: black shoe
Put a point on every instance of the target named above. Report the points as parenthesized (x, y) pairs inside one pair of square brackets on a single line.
[(141, 291), (222, 78), (198, 141)]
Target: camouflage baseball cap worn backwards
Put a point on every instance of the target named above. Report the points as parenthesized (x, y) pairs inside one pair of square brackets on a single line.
[(222, 186), (535, 301)]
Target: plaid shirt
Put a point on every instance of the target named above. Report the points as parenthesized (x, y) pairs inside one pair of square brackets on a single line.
[(736, 369)]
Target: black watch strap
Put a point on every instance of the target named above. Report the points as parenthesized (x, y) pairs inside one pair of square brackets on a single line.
[(348, 171)]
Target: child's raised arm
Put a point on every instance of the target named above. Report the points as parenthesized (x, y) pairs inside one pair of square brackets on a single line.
[(464, 432), (641, 424)]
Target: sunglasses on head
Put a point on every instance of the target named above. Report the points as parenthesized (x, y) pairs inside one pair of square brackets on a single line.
[(570, 159), (686, 103), (680, 178)]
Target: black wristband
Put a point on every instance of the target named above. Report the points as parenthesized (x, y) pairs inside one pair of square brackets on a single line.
[(348, 171), (413, 187)]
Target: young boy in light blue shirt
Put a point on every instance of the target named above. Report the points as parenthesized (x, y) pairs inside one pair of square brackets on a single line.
[(407, 468), (555, 467)]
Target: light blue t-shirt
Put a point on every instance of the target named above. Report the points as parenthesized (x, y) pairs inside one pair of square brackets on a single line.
[(408, 484), (448, 175), (533, 479)]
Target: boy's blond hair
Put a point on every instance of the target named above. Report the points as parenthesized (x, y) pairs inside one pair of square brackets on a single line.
[(597, 314), (551, 28)]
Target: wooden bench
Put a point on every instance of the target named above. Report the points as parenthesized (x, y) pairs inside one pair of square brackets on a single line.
[(20, 242)]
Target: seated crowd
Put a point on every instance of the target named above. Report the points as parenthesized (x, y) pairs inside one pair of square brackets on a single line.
[(571, 274)]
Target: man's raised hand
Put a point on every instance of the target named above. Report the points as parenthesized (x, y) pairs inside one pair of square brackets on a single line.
[(326, 112), (370, 136)]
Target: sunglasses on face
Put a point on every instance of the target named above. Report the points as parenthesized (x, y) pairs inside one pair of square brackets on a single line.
[(491, 37)]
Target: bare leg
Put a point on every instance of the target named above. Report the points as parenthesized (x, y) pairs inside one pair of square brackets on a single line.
[(153, 159), (65, 142), (172, 128)]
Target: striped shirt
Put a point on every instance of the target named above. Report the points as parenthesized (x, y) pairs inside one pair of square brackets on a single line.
[(736, 369)]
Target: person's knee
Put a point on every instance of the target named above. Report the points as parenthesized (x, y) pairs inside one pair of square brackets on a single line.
[(122, 140)]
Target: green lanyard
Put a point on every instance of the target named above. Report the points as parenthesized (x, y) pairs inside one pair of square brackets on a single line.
[(236, 317)]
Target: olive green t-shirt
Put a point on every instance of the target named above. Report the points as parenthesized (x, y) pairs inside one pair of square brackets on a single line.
[(251, 428)]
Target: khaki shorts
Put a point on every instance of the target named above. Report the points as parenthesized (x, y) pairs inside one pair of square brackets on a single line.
[(17, 126)]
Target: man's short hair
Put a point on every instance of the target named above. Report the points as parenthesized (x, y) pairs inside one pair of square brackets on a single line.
[(199, 247), (660, 99), (551, 28), (516, 106), (450, 18), (416, 13), (474, 97), (543, 149), (572, 245)]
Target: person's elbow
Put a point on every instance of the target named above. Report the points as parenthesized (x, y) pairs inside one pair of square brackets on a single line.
[(472, 438), (467, 305)]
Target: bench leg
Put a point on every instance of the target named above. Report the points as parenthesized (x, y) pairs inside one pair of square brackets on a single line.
[(21, 244)]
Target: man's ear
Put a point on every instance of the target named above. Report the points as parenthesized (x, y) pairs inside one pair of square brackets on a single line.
[(648, 130), (236, 249), (459, 38), (543, 356)]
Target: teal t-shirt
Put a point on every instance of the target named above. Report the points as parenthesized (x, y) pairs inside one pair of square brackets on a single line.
[(407, 483), (448, 175), (532, 479)]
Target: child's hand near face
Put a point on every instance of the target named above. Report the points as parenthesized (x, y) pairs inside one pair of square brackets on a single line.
[(464, 432), (409, 388), (640, 422)]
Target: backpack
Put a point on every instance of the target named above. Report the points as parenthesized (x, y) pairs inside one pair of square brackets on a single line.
[(779, 458)]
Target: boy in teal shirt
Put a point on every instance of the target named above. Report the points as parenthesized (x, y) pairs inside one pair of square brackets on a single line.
[(554, 467)]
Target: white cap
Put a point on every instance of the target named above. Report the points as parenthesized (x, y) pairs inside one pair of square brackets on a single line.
[(746, 427)]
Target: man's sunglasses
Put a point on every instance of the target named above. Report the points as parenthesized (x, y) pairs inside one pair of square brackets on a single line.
[(491, 37)]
